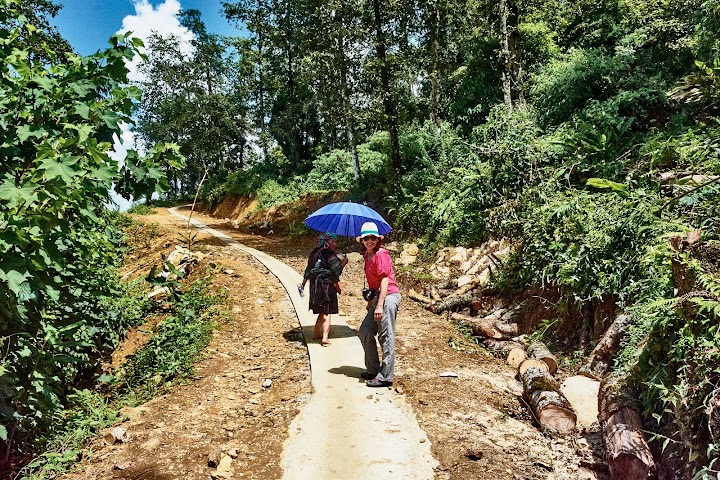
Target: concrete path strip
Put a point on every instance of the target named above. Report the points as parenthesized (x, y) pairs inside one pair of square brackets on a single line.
[(346, 430)]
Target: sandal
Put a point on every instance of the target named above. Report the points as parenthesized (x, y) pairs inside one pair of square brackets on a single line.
[(325, 343)]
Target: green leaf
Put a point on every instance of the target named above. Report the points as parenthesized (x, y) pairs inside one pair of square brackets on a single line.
[(604, 184), (13, 194), (63, 169), (26, 131), (83, 110), (17, 283), (3, 433)]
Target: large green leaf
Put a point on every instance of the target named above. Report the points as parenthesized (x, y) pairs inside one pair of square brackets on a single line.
[(26, 131), (63, 169), (13, 194)]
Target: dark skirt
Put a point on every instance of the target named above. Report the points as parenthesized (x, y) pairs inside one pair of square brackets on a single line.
[(323, 298)]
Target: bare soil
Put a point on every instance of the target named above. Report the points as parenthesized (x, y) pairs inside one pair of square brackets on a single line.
[(477, 423)]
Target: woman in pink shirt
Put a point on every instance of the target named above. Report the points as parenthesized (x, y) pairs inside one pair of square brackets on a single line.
[(382, 308)]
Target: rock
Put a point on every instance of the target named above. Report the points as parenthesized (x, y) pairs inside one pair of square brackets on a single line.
[(354, 257), (392, 247), (122, 466), (267, 383), (225, 464), (214, 458), (232, 453), (459, 256), (449, 374), (229, 271), (411, 250)]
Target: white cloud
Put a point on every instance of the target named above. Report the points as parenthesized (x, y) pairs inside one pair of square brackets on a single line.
[(147, 20), (161, 20)]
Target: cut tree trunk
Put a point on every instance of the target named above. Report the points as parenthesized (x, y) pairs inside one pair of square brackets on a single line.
[(501, 345), (516, 356), (627, 452), (628, 455), (550, 407), (481, 327), (453, 303), (539, 351), (530, 363), (600, 360), (427, 302), (539, 379), (552, 411)]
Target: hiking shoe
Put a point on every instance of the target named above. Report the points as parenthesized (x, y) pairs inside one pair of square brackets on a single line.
[(375, 382), (368, 375)]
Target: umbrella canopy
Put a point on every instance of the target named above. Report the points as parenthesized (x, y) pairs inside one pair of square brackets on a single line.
[(346, 219)]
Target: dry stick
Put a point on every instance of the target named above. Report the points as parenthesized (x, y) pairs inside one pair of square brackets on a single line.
[(194, 202)]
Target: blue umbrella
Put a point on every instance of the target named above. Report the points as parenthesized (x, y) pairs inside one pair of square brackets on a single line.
[(345, 218)]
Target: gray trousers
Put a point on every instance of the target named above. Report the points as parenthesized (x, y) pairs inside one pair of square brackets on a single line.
[(385, 331)]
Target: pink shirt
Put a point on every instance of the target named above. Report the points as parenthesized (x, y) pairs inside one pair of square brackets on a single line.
[(379, 267)]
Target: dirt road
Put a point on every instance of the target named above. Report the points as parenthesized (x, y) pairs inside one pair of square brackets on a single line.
[(475, 423)]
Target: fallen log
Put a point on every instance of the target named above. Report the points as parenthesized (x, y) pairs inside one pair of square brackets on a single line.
[(535, 378), (552, 411), (530, 363), (449, 284), (627, 452), (501, 345), (550, 407), (435, 295), (453, 303), (600, 360), (482, 327), (420, 298), (538, 351), (516, 356)]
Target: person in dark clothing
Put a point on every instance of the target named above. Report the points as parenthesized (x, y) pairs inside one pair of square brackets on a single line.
[(323, 272)]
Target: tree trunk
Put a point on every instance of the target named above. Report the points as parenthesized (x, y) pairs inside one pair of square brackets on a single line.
[(427, 302), (550, 407), (599, 361), (530, 363), (387, 93), (627, 452), (482, 328), (539, 379), (453, 303), (501, 345), (539, 351), (505, 55)]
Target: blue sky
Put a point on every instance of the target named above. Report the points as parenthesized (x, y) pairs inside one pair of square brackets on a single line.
[(87, 24)]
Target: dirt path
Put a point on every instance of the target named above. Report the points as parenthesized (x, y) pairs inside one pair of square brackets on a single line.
[(476, 425), (345, 430)]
